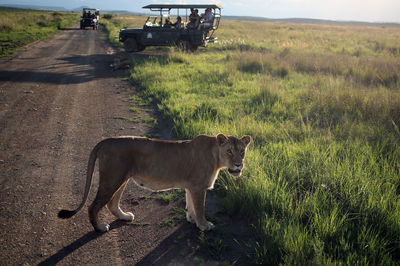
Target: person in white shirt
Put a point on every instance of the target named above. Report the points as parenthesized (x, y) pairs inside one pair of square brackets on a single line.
[(207, 18), (208, 15)]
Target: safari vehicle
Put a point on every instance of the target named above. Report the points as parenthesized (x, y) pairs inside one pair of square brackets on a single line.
[(159, 31), (90, 18)]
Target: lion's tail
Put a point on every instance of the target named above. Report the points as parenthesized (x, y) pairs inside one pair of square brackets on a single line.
[(65, 214)]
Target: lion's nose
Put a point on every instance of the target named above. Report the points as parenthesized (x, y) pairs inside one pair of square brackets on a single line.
[(238, 165)]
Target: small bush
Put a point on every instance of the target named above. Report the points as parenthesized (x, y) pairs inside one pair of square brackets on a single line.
[(108, 16), (6, 26)]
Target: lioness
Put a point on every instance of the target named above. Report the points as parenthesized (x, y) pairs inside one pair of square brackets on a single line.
[(121, 60), (192, 165)]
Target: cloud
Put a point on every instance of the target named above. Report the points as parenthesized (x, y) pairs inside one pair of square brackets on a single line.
[(239, 4)]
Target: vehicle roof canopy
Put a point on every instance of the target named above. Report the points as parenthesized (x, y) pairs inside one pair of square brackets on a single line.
[(167, 6), (90, 9)]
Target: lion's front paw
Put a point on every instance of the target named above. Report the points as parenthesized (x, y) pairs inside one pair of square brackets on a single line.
[(206, 227), (127, 216), (189, 218)]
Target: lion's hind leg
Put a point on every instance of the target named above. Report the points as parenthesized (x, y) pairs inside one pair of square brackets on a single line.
[(114, 207), (109, 184), (99, 202)]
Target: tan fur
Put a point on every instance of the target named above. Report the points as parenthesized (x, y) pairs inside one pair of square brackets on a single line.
[(121, 61), (192, 165)]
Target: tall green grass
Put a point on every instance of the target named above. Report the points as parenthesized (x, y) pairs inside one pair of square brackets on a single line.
[(322, 181), (112, 27), (20, 27), (113, 23)]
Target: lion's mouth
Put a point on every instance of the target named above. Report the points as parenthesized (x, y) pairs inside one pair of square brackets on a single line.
[(234, 172)]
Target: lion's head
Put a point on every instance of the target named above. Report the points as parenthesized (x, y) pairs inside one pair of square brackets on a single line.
[(232, 152)]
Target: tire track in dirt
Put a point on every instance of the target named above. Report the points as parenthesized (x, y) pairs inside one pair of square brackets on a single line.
[(70, 180)]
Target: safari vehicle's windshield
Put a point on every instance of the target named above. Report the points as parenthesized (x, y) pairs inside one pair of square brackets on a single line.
[(152, 21), (91, 10)]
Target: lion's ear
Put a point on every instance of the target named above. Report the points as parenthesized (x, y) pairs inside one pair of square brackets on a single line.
[(221, 139), (246, 139)]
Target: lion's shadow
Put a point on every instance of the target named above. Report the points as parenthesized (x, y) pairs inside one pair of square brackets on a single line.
[(90, 236)]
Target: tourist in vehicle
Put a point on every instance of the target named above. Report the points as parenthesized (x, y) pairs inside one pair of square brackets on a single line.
[(207, 15), (207, 18), (168, 23), (178, 24), (194, 18)]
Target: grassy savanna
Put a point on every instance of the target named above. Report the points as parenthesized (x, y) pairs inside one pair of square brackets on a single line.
[(322, 183), (19, 27)]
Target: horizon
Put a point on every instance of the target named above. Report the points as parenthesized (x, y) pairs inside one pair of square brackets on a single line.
[(386, 11)]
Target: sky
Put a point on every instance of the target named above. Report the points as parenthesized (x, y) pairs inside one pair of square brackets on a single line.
[(348, 10)]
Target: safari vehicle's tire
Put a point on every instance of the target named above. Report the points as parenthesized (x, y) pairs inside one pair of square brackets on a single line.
[(141, 48), (192, 47), (130, 45), (181, 45)]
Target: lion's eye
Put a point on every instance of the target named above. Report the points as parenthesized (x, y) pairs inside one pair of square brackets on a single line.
[(229, 152), (242, 153)]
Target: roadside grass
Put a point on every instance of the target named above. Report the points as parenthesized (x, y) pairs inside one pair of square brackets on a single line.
[(178, 216), (168, 197), (215, 246), (21, 27), (322, 178), (171, 196)]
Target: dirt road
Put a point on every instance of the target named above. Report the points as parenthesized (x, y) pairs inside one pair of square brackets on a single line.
[(58, 98)]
